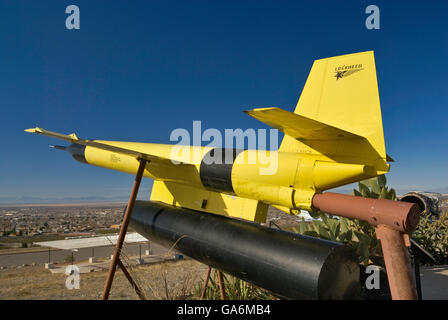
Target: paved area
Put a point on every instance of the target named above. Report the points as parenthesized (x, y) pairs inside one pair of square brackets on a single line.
[(434, 282), (86, 267), (58, 256)]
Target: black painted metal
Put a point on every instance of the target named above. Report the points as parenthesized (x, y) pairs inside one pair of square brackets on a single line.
[(216, 169), (77, 152), (288, 264)]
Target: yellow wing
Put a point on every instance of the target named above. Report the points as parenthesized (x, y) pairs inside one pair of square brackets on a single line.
[(299, 127), (103, 145), (175, 184)]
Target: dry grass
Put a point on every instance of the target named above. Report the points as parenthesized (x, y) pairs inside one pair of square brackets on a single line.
[(172, 280)]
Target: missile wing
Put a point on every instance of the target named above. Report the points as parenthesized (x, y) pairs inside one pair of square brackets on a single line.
[(175, 173), (107, 146)]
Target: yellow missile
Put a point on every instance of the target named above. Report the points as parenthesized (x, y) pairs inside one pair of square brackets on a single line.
[(334, 137)]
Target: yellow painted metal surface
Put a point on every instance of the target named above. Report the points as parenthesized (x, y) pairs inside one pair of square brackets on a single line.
[(300, 127), (208, 201), (334, 137), (68, 137), (342, 92), (159, 168)]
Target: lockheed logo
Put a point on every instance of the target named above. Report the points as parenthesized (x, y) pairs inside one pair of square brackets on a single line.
[(345, 71)]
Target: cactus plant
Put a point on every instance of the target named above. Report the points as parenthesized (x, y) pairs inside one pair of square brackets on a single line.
[(375, 188)]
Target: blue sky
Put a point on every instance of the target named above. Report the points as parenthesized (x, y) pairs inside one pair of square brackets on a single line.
[(137, 70)]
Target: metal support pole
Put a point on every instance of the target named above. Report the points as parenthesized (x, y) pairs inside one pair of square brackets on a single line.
[(137, 289), (393, 220), (222, 290), (123, 229), (398, 267), (204, 288)]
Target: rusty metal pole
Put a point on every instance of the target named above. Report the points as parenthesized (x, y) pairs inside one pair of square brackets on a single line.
[(123, 229), (393, 220), (207, 277), (396, 257), (222, 289), (398, 215), (137, 289)]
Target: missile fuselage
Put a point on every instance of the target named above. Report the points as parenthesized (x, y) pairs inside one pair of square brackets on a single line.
[(288, 180)]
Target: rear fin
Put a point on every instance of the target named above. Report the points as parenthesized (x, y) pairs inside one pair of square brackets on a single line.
[(299, 127), (342, 92)]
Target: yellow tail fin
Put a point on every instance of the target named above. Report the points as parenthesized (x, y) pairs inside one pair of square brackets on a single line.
[(342, 93)]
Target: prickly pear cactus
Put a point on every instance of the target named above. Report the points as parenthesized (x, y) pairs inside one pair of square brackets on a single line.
[(375, 188)]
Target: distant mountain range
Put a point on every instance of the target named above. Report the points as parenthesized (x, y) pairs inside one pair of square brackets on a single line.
[(51, 200), (124, 198), (399, 191), (440, 190)]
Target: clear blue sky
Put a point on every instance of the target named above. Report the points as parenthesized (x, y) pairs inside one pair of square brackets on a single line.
[(138, 69)]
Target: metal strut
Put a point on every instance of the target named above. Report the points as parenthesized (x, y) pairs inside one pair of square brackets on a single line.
[(121, 236), (396, 257), (207, 277), (222, 290)]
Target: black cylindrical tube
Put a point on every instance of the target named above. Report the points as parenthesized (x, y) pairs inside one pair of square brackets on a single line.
[(291, 265)]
